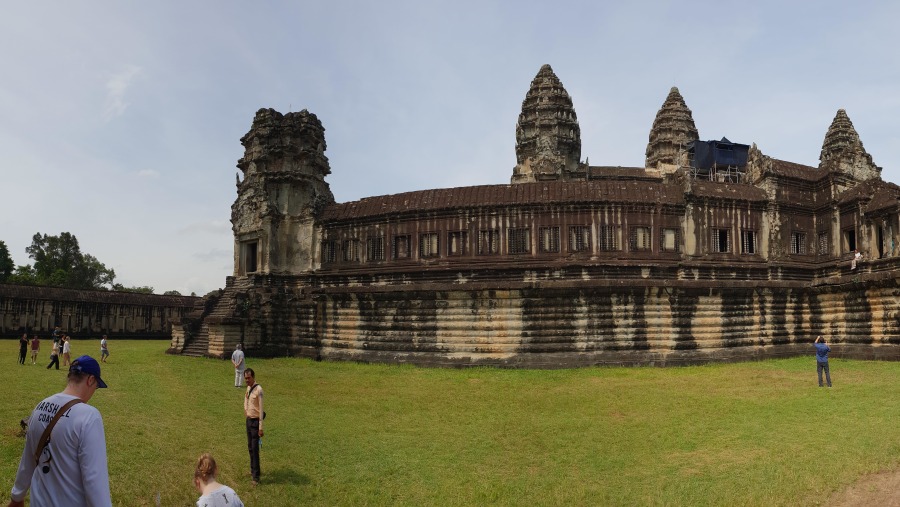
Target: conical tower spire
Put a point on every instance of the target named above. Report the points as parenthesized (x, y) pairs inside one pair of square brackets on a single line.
[(672, 128), (843, 151), (548, 138)]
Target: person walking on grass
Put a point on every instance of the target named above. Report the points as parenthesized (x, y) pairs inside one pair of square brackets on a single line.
[(212, 494), (67, 464), (822, 350), (23, 347), (54, 356), (253, 410), (35, 348), (104, 349), (66, 350), (237, 359)]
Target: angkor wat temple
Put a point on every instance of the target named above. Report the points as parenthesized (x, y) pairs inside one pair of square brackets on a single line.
[(713, 251)]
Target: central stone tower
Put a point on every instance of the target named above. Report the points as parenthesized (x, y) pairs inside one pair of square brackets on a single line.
[(548, 138)]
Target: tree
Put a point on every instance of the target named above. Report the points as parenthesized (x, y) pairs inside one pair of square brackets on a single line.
[(171, 293), (6, 262), (137, 290), (58, 261)]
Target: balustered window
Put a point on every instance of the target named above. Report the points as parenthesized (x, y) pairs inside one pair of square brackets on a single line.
[(489, 242), (670, 240), (640, 238), (401, 247), (798, 243), (428, 245), (375, 249), (749, 243), (608, 239), (329, 250), (580, 238), (721, 242), (549, 239), (350, 250), (456, 243), (518, 241)]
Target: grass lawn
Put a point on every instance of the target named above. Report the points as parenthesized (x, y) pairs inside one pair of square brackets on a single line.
[(757, 433)]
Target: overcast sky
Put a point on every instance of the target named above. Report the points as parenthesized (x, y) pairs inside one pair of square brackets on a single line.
[(120, 121)]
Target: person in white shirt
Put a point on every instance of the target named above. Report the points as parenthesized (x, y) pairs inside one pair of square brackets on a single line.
[(104, 349), (71, 468), (212, 494), (66, 350), (237, 359)]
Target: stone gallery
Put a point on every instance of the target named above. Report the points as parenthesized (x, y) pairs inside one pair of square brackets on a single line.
[(713, 251)]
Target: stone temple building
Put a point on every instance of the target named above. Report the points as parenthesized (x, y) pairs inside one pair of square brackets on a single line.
[(712, 251)]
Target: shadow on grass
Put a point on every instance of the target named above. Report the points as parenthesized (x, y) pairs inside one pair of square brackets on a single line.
[(285, 476)]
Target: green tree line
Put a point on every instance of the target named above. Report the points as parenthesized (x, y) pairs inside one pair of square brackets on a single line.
[(59, 262)]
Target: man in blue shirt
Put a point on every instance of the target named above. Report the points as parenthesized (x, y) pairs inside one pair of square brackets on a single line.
[(822, 350)]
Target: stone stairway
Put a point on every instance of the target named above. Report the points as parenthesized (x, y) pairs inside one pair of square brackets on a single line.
[(199, 344)]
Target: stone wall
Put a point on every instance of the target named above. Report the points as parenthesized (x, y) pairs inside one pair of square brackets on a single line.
[(83, 313)]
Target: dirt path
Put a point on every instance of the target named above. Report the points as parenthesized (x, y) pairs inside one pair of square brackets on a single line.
[(882, 489)]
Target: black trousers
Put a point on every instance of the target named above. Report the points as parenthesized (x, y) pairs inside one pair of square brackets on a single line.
[(253, 447), (54, 359)]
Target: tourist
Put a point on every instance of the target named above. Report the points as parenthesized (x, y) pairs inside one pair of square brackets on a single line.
[(104, 349), (23, 347), (35, 348), (857, 257), (237, 359), (66, 349), (56, 334), (54, 356), (70, 468), (253, 410), (822, 350), (212, 494)]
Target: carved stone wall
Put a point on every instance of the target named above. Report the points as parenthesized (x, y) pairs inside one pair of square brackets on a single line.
[(82, 313)]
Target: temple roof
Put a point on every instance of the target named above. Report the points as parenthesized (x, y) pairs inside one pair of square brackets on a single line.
[(739, 191), (521, 194), (797, 171)]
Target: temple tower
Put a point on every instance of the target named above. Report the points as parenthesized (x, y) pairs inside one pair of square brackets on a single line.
[(842, 151), (672, 129), (282, 191), (548, 138)]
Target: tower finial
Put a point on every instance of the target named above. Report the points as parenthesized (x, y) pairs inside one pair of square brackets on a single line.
[(672, 128)]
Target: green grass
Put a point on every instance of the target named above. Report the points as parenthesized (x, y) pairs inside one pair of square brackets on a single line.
[(757, 433)]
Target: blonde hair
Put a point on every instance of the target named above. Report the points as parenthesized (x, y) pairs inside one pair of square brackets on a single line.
[(206, 468)]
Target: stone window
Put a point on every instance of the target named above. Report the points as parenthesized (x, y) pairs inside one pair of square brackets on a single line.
[(249, 256), (580, 238), (670, 240), (849, 239), (350, 250), (549, 239), (823, 243), (640, 238), (375, 249), (798, 243), (456, 243), (518, 241), (329, 250), (401, 247), (608, 239), (721, 242), (428, 245), (489, 242), (749, 242)]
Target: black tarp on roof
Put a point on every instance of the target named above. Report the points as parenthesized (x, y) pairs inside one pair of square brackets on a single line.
[(718, 153)]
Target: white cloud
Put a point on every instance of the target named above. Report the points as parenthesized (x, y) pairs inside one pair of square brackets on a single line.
[(116, 88)]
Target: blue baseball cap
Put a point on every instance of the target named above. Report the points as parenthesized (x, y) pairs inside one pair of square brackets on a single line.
[(89, 365)]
